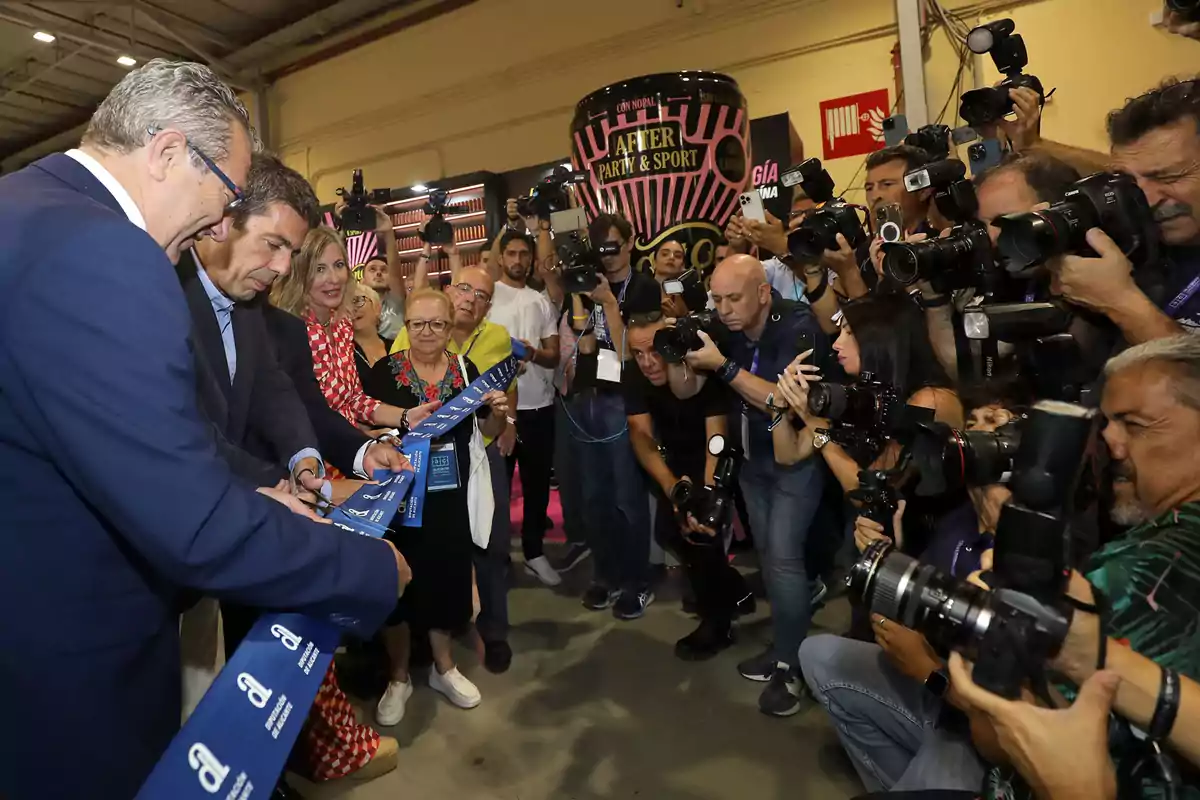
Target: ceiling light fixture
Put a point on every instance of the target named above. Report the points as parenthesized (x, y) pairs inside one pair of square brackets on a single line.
[(42, 36), (126, 61)]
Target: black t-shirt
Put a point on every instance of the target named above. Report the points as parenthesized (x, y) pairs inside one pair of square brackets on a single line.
[(678, 424), (791, 329), (637, 294)]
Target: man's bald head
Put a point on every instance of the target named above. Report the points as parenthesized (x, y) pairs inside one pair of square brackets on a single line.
[(472, 304), (741, 293)]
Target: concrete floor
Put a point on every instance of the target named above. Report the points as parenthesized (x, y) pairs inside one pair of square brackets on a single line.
[(597, 708)]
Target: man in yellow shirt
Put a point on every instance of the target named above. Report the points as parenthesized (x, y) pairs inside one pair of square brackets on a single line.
[(486, 344)]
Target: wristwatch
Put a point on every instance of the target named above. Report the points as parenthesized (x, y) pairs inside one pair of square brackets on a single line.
[(820, 439), (938, 682)]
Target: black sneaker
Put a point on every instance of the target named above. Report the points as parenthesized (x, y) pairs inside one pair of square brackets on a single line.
[(575, 555), (705, 642), (760, 668), (781, 697), (599, 597), (631, 604), (497, 657)]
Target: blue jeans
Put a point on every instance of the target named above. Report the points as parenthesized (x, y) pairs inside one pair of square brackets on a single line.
[(887, 722), (569, 475), (782, 503), (616, 507), (491, 565)]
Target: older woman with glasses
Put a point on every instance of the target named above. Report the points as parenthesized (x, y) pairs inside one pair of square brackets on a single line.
[(369, 344), (318, 291), (438, 602)]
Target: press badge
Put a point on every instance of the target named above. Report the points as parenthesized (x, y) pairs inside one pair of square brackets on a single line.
[(443, 468), (608, 366)]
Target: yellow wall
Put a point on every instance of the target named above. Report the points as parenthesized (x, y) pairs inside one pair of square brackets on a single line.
[(493, 85)]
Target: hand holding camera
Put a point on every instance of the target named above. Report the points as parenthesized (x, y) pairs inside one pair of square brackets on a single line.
[(1100, 284), (793, 385), (908, 650), (867, 531), (1032, 737), (708, 357)]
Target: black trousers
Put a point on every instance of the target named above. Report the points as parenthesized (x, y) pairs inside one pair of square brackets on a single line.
[(535, 453), (716, 584)]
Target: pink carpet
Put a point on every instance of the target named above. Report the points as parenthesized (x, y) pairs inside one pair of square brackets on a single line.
[(516, 510)]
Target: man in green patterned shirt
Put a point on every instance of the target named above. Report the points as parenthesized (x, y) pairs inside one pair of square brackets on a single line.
[(1150, 575)]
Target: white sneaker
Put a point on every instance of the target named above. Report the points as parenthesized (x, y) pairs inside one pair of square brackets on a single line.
[(390, 710), (456, 687), (540, 568)]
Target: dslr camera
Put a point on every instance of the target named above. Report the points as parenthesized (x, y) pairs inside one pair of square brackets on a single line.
[(581, 264), (1011, 631), (437, 230), (690, 287), (989, 105), (711, 505), (674, 343), (1112, 202), (358, 214), (864, 414), (961, 260), (947, 459), (550, 196), (818, 232)]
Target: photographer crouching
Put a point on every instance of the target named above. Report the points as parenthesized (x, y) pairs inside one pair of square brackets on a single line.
[(694, 484), (765, 333), (1036, 630)]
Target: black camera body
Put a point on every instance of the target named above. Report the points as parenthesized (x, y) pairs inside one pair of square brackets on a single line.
[(989, 105), (674, 343), (1012, 631), (438, 230), (961, 260), (818, 232), (933, 139), (358, 214), (1110, 201), (865, 414), (550, 196), (582, 269), (712, 506), (948, 459)]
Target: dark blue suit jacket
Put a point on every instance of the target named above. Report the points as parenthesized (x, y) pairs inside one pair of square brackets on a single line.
[(113, 499)]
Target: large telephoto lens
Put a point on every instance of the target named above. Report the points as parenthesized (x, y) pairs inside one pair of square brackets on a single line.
[(907, 263), (948, 613), (827, 400), (950, 262), (1027, 240)]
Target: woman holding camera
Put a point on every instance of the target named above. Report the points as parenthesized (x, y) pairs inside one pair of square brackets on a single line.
[(886, 337), (438, 602)]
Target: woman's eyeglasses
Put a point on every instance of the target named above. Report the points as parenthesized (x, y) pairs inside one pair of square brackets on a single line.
[(422, 325)]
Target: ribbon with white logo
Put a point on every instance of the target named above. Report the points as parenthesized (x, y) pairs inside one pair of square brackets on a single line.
[(237, 741)]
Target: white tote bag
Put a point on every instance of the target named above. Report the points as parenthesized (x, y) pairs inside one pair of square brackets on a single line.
[(480, 502)]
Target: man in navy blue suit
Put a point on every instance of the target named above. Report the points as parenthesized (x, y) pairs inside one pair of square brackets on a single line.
[(112, 493)]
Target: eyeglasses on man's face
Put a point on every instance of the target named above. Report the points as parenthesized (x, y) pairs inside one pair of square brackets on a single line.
[(239, 197), (360, 300), (480, 295), (421, 325)]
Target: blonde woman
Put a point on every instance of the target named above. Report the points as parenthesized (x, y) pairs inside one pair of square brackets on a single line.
[(320, 291)]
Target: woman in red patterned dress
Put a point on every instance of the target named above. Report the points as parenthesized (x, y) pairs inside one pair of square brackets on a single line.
[(318, 291), (333, 743)]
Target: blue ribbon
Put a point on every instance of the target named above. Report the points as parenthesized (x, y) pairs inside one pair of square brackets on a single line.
[(237, 741)]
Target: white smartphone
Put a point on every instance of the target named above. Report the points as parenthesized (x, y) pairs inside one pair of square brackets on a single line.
[(752, 207)]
